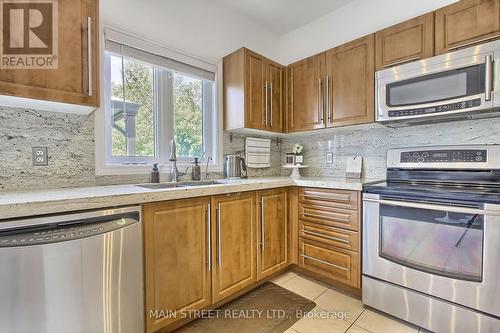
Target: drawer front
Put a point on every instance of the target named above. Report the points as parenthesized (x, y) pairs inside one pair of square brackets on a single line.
[(337, 237), (331, 198), (328, 216), (334, 263)]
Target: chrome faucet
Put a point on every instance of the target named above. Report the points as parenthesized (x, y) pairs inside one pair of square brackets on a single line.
[(174, 172), (207, 175)]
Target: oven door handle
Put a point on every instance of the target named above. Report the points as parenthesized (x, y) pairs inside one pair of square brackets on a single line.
[(451, 209)]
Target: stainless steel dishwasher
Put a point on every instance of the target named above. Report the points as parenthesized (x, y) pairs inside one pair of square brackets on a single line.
[(79, 273)]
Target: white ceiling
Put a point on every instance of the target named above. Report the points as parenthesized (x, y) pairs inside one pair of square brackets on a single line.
[(282, 16)]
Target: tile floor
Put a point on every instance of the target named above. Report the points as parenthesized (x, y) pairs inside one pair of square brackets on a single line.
[(352, 316)]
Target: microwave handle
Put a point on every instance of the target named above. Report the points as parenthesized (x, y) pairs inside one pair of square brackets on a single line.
[(488, 80)]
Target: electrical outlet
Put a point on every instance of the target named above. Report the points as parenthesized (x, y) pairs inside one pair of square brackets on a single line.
[(329, 158), (39, 156)]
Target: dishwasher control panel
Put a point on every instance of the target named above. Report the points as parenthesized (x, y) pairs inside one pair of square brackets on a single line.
[(66, 231)]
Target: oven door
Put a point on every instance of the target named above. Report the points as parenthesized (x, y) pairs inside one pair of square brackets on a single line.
[(447, 251), (444, 85)]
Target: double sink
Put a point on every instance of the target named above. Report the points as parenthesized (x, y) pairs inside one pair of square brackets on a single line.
[(158, 186)]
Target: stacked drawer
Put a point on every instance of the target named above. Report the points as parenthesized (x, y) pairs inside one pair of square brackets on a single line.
[(329, 234)]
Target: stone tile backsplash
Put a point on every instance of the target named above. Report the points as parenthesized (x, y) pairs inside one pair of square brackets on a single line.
[(235, 144), (70, 141), (372, 142)]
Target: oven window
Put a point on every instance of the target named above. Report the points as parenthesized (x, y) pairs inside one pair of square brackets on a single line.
[(443, 243), (437, 87)]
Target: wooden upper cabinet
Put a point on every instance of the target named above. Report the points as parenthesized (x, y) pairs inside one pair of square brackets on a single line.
[(466, 23), (253, 92), (272, 232), (233, 243), (69, 81), (405, 42), (276, 86), (350, 78), (177, 275), (305, 94)]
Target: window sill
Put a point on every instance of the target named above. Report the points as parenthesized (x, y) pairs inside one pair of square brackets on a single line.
[(145, 169)]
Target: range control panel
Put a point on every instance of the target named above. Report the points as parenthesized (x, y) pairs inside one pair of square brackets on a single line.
[(445, 156), (472, 103)]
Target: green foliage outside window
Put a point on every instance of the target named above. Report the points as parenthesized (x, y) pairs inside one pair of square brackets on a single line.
[(187, 103)]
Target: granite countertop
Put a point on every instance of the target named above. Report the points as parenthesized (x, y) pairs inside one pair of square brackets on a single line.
[(40, 202)]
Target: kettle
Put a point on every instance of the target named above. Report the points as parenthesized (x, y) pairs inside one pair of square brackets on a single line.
[(233, 165)]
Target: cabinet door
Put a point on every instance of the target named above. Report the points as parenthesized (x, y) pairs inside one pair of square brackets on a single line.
[(234, 244), (176, 255), (466, 23), (350, 76), (275, 79), (69, 81), (272, 232), (254, 91), (404, 42), (305, 94)]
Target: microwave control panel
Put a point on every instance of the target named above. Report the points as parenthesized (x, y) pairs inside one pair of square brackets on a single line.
[(472, 103), (446, 156)]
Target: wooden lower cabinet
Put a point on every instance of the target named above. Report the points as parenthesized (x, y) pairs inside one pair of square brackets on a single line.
[(233, 244), (272, 232), (335, 263), (177, 275), (329, 236)]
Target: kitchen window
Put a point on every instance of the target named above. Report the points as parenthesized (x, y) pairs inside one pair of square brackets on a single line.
[(151, 100)]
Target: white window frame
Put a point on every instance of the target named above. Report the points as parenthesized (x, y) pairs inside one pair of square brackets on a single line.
[(164, 131)]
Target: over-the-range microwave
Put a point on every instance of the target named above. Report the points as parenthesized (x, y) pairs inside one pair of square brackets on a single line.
[(459, 84)]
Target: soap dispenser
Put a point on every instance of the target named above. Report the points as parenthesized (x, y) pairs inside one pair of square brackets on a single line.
[(155, 174), (196, 170)]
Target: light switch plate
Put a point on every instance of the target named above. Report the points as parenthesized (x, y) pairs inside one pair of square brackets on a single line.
[(39, 156), (329, 158)]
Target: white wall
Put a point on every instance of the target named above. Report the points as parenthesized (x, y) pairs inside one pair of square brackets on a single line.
[(354, 20), (199, 28)]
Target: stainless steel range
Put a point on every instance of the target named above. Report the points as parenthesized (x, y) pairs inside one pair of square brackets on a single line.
[(431, 238)]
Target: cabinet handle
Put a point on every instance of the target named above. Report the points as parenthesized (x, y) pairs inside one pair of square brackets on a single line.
[(333, 197), (473, 42), (488, 84), (262, 224), (266, 103), (89, 55), (219, 247), (347, 220), (327, 237), (320, 103), (325, 262), (404, 61), (271, 93), (328, 111), (209, 237)]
